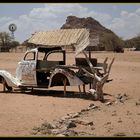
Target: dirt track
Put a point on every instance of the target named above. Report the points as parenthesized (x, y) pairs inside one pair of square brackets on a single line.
[(20, 112)]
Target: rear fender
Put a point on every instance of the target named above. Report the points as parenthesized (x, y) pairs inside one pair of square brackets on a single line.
[(59, 74)]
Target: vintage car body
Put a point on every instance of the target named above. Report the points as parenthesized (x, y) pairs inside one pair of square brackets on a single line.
[(38, 69), (33, 71)]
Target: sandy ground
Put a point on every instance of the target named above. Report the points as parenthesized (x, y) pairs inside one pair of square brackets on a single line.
[(21, 112)]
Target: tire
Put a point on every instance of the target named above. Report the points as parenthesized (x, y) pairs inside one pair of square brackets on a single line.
[(5, 85)]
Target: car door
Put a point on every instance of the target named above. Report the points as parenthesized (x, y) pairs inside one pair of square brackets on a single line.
[(26, 70)]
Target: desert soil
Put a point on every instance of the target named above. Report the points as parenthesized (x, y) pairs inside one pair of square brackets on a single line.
[(21, 112)]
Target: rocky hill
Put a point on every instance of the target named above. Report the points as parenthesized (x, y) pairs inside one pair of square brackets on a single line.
[(108, 39)]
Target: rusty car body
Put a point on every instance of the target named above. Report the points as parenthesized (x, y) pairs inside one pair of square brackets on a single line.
[(36, 70)]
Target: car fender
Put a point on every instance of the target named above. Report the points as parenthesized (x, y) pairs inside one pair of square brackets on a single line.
[(73, 80), (9, 78)]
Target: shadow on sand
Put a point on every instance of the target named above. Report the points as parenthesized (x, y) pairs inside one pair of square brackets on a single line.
[(58, 93)]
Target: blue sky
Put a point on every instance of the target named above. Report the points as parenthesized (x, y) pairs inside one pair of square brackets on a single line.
[(123, 19)]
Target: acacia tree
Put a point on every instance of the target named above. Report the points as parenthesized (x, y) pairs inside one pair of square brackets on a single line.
[(6, 42)]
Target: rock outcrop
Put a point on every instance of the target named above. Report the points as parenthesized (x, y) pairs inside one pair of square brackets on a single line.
[(108, 39)]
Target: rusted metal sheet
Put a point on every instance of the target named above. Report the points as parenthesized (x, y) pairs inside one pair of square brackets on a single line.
[(63, 37), (70, 75)]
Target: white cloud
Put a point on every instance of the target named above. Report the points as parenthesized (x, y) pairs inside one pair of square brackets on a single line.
[(42, 13), (127, 25), (124, 13), (138, 11), (103, 18), (5, 19)]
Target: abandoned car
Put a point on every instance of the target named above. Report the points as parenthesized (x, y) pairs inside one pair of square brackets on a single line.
[(38, 70)]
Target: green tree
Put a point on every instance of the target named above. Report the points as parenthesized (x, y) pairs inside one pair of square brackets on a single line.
[(5, 40), (14, 44), (133, 42)]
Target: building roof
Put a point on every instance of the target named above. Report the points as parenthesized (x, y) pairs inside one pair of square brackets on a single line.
[(79, 38)]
